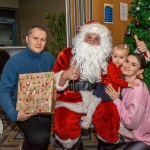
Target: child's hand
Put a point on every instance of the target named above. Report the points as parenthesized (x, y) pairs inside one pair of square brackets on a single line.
[(140, 76), (132, 84)]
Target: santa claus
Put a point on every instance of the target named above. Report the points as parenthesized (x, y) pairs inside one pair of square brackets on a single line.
[(77, 70)]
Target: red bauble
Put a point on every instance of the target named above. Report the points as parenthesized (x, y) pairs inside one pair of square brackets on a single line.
[(137, 23)]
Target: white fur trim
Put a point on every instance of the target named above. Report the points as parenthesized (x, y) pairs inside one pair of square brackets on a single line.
[(57, 78), (76, 107), (86, 98), (96, 28), (148, 54), (92, 107), (89, 100), (67, 143), (81, 107)]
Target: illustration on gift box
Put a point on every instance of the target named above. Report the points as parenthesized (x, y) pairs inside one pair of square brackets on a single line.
[(37, 92)]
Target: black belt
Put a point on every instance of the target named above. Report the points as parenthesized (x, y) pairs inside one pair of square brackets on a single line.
[(80, 86)]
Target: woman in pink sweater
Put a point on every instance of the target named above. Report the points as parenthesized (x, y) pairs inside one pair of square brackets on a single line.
[(134, 109)]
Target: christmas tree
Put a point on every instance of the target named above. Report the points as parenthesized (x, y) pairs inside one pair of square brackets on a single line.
[(139, 25)]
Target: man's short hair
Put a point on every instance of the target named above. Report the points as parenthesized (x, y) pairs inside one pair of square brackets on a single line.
[(33, 27)]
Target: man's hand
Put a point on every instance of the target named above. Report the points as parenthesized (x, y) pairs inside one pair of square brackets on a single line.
[(113, 94), (72, 73), (23, 116), (141, 46)]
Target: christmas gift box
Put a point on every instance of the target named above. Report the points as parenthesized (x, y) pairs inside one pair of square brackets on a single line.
[(36, 92)]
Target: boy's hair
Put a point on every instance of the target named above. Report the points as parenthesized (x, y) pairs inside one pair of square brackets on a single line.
[(38, 27), (121, 46)]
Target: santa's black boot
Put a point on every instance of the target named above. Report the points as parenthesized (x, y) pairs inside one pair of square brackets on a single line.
[(78, 145), (107, 146)]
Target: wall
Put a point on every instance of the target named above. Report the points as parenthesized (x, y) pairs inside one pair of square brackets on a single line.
[(9, 9), (9, 3), (32, 12), (6, 34), (118, 27)]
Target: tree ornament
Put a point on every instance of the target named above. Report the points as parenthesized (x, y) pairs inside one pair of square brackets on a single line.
[(137, 23), (128, 33), (137, 8)]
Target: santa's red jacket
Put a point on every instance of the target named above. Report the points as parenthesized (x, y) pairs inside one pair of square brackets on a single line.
[(106, 115)]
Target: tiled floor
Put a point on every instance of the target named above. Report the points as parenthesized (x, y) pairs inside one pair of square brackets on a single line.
[(12, 138)]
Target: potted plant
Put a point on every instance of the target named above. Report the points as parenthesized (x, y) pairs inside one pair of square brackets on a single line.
[(57, 28)]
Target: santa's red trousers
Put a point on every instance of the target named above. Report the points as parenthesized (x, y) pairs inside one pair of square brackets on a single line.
[(105, 119)]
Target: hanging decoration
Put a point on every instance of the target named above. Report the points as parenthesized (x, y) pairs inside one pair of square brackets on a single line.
[(128, 33), (137, 21)]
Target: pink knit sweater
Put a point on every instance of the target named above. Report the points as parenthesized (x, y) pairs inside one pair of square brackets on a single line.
[(134, 110)]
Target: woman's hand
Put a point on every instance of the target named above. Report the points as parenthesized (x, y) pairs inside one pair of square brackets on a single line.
[(113, 94)]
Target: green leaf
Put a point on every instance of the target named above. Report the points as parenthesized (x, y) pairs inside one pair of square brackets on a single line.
[(143, 31), (56, 24)]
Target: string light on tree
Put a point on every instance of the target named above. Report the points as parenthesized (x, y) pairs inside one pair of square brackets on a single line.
[(138, 8)]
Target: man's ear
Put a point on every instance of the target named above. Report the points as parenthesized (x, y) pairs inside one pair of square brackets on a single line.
[(27, 39), (140, 72)]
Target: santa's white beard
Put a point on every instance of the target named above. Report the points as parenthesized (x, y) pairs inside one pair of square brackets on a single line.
[(90, 61)]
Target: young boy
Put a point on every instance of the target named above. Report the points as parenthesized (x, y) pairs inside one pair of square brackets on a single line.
[(115, 78)]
